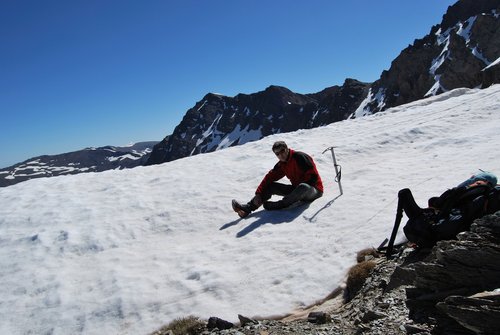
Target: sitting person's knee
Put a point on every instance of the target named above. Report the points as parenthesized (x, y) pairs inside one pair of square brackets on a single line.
[(303, 186), (404, 192)]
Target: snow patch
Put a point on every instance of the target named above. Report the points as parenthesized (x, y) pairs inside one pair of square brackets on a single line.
[(364, 110), (494, 63), (202, 105), (120, 158), (241, 136)]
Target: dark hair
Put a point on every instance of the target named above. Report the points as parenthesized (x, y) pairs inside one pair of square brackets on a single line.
[(278, 145)]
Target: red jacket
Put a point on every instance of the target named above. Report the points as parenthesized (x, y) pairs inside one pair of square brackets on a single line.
[(299, 168)]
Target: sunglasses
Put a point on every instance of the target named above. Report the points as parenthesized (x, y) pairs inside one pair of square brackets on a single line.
[(277, 153)]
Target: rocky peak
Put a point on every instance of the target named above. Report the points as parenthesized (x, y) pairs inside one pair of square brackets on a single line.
[(464, 9), (278, 90), (218, 121), (462, 51), (455, 54), (339, 102)]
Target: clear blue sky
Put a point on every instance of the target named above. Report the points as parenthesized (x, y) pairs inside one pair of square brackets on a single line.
[(81, 73)]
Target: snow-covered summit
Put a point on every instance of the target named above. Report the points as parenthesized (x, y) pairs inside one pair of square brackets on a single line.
[(459, 52)]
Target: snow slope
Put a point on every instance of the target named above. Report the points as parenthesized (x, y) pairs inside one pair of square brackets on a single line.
[(124, 252)]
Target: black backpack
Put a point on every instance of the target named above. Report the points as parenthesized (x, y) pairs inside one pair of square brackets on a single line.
[(451, 213)]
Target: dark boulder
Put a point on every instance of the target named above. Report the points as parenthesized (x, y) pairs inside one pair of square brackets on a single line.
[(445, 284)]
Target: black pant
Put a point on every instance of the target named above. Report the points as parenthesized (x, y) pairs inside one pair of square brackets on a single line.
[(410, 207), (291, 194)]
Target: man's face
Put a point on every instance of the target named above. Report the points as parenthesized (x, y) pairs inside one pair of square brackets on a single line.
[(282, 154)]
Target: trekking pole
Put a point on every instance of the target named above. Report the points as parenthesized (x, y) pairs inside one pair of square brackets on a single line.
[(338, 169), (397, 222)]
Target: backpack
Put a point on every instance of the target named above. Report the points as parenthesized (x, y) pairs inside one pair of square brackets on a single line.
[(451, 213)]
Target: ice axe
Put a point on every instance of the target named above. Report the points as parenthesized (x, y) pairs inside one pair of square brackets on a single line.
[(338, 169)]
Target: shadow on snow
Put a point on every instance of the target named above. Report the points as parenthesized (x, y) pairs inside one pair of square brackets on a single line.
[(328, 204), (263, 217), (276, 217)]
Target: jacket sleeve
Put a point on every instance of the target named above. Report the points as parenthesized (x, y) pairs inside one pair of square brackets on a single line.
[(273, 175)]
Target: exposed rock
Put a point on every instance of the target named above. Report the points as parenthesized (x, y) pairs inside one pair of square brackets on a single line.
[(337, 103), (491, 74), (454, 271), (318, 318), (481, 314), (460, 52), (463, 9), (246, 321), (218, 121), (218, 323)]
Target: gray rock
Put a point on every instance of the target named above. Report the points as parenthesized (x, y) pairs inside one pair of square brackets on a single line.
[(479, 314), (215, 322), (246, 321), (318, 318), (455, 271)]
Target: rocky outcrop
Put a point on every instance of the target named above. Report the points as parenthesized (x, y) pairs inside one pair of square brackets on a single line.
[(479, 313), (460, 52), (491, 74), (463, 9), (448, 288), (337, 103), (218, 121)]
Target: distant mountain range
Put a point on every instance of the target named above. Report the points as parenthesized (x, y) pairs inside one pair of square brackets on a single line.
[(462, 51), (86, 160)]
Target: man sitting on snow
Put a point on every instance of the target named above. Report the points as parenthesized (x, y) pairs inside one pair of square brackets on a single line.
[(296, 166)]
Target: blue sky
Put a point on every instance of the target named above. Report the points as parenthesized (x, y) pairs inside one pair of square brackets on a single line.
[(75, 74)]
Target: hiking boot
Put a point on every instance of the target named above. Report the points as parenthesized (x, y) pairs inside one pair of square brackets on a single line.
[(242, 210), (274, 205)]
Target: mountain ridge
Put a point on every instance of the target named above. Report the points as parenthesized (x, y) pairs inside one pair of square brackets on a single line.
[(219, 121), (81, 161), (462, 51)]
